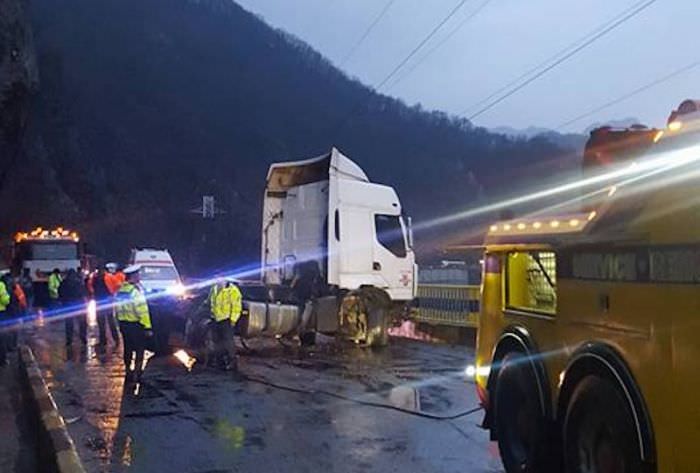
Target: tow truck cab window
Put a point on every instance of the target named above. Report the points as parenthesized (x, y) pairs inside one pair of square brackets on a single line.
[(531, 281), (390, 234)]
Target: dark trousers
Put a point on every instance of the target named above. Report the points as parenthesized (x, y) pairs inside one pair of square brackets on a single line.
[(81, 320), (105, 318), (224, 347), (134, 343)]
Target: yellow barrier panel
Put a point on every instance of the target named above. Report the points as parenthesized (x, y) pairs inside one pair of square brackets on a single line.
[(443, 304)]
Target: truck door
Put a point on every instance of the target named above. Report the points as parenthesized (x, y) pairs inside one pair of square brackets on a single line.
[(390, 251)]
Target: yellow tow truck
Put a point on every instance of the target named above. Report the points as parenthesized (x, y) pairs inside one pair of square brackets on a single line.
[(588, 357)]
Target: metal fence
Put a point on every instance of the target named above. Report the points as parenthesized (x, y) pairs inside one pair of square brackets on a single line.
[(447, 304)]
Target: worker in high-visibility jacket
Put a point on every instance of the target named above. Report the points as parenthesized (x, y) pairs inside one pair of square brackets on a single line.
[(4, 303), (113, 278), (134, 322), (225, 304), (55, 280)]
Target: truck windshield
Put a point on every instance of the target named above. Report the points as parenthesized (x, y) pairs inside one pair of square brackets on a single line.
[(390, 234), (162, 273), (49, 251)]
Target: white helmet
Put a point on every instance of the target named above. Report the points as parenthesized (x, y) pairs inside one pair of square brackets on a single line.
[(131, 269)]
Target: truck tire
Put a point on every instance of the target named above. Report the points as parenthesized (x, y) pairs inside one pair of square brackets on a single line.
[(377, 305), (599, 430), (521, 425), (307, 339)]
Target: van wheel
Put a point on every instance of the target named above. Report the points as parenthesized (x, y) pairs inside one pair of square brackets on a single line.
[(599, 430), (521, 425)]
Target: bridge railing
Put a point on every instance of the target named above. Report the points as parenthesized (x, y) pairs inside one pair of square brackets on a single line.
[(447, 304)]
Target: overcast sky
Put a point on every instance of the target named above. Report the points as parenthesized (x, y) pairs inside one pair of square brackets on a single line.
[(504, 40)]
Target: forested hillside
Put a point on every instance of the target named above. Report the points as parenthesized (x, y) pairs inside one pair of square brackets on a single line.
[(146, 105)]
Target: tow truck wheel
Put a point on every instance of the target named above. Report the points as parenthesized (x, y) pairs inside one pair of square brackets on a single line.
[(521, 425), (599, 430)]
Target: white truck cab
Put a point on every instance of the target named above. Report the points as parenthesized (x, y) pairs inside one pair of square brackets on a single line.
[(158, 272), (325, 212), (326, 209)]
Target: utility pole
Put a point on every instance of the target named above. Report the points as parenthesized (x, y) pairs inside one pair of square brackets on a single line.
[(204, 229)]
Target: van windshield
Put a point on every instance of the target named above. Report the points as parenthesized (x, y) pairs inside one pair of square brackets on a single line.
[(151, 273)]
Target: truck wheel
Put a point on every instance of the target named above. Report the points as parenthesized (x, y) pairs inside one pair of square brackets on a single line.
[(377, 305), (599, 430), (521, 425), (307, 339)]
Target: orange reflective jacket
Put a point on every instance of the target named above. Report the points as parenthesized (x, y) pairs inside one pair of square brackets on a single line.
[(21, 297), (114, 281)]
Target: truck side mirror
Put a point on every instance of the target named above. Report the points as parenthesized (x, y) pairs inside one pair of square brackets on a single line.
[(409, 224)]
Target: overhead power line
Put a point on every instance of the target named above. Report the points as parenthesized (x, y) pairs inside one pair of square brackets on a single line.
[(439, 44), (421, 44), (551, 58), (382, 83), (628, 95), (568, 55), (367, 32)]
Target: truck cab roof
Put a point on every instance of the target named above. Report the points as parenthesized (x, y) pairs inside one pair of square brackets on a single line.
[(282, 176)]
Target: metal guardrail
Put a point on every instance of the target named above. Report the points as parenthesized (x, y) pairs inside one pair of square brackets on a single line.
[(447, 304)]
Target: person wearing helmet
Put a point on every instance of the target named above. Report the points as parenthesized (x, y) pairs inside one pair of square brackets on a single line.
[(134, 322), (104, 299), (113, 278)]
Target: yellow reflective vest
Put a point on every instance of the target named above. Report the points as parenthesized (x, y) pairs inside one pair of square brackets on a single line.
[(132, 305), (4, 297), (225, 303), (54, 283)]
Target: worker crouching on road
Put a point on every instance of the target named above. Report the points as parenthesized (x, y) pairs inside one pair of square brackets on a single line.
[(134, 322), (225, 303)]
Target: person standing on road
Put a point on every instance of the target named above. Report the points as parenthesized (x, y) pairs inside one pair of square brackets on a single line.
[(225, 303), (72, 294), (4, 303), (13, 310), (104, 301), (134, 322), (27, 284), (54, 283)]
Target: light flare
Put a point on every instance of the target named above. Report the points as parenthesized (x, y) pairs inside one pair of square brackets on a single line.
[(183, 357), (665, 160), (92, 313), (472, 371)]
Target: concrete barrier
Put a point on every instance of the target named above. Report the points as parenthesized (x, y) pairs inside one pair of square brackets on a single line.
[(57, 452)]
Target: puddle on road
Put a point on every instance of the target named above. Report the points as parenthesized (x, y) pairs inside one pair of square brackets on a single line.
[(233, 435), (405, 397)]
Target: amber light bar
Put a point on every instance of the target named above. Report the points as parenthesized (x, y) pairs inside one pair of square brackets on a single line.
[(39, 233), (573, 223)]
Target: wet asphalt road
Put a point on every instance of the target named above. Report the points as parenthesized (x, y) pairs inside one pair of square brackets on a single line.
[(205, 421)]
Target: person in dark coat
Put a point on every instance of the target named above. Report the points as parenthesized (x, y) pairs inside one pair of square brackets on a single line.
[(72, 294), (105, 309)]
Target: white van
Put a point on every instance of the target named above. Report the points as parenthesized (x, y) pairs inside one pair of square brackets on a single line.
[(158, 272)]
